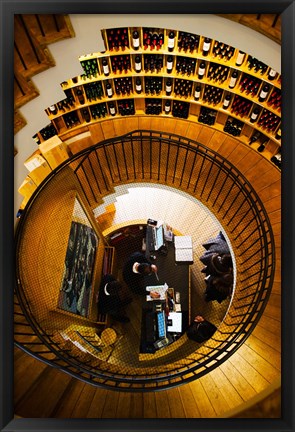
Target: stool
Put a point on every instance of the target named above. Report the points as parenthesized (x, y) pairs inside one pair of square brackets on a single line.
[(108, 336)]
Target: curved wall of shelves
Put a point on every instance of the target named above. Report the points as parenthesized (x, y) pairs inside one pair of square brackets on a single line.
[(246, 115)]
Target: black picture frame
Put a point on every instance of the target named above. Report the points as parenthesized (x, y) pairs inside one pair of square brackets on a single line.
[(8, 9)]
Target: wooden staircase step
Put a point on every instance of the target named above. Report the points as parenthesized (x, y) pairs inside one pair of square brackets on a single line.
[(67, 403), (218, 400), (96, 406), (27, 371), (267, 370), (265, 351), (203, 402), (51, 383), (238, 380), (188, 402)]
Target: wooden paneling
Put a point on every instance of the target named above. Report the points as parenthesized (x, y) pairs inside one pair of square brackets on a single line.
[(267, 24), (32, 33)]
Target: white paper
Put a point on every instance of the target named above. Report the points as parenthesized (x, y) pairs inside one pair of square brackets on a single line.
[(184, 255), (182, 242), (176, 318), (161, 289)]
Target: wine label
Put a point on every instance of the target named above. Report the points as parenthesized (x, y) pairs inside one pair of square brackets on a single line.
[(138, 66), (201, 71), (138, 87), (232, 82), (171, 43), (240, 59), (169, 65), (263, 94), (206, 46), (135, 43), (167, 108), (254, 116), (197, 94), (106, 70), (168, 88), (226, 102), (112, 110), (109, 92), (272, 73)]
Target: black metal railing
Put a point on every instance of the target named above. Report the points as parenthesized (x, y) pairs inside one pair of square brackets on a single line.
[(150, 156)]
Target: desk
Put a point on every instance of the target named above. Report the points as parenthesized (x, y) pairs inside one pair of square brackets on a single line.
[(177, 277)]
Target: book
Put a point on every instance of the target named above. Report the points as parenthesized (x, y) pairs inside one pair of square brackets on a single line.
[(183, 249)]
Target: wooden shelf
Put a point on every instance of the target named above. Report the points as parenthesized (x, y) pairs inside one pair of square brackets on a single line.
[(80, 82)]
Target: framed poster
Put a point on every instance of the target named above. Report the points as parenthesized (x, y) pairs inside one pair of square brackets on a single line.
[(76, 286)]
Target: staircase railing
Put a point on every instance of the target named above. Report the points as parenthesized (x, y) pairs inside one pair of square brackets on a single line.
[(185, 164)]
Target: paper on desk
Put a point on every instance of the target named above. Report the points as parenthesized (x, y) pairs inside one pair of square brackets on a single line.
[(161, 289)]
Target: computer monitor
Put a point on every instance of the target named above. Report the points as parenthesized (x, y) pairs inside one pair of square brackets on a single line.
[(160, 237)]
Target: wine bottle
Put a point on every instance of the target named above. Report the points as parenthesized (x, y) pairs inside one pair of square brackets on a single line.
[(197, 92), (226, 101), (233, 79), (138, 85), (277, 158), (36, 139), (112, 109), (109, 90), (201, 70), (254, 115), (137, 64), (240, 58), (261, 147), (105, 67), (167, 107), (254, 137), (171, 41), (206, 46), (135, 40), (272, 74), (53, 109), (168, 87), (264, 92), (169, 64), (278, 134), (86, 115), (80, 97)]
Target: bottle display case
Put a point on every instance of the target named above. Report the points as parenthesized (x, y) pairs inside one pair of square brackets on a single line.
[(142, 70)]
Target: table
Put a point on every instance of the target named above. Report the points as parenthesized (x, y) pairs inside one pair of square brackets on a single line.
[(177, 277)]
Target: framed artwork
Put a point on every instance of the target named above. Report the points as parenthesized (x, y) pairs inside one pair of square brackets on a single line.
[(76, 285)]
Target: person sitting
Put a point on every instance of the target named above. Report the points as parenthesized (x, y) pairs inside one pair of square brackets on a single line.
[(112, 298), (135, 269), (200, 330)]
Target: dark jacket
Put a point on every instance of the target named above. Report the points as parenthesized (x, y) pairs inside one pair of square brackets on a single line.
[(135, 281), (201, 331), (109, 303)]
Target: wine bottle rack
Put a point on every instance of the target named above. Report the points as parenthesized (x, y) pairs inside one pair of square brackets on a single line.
[(168, 72)]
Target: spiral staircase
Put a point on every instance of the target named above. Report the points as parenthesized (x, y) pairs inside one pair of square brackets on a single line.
[(245, 367), (225, 365)]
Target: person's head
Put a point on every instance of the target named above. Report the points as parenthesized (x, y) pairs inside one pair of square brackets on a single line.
[(199, 318), (144, 268), (226, 261), (113, 287)]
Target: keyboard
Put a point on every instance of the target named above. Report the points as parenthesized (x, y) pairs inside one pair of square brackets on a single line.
[(161, 324)]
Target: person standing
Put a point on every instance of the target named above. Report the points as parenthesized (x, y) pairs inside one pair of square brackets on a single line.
[(112, 299), (135, 269)]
